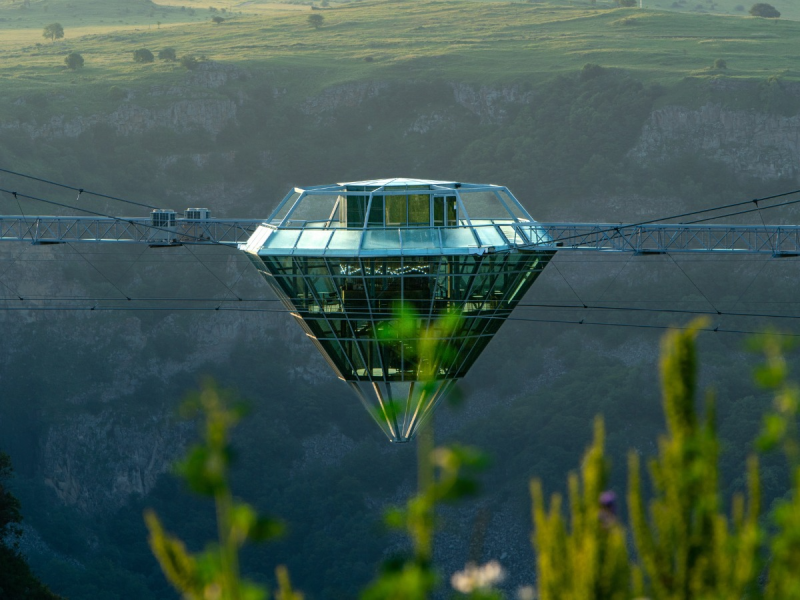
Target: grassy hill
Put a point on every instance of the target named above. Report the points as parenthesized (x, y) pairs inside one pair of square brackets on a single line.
[(486, 42)]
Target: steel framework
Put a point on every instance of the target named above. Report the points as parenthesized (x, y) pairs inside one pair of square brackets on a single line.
[(61, 230), (777, 240)]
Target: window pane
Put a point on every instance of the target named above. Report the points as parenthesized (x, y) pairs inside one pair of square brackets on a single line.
[(356, 210), (396, 211), (376, 212), (419, 210), (484, 205), (345, 240), (314, 207), (314, 239)]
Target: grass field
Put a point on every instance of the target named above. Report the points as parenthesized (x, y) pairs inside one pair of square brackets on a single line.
[(482, 42)]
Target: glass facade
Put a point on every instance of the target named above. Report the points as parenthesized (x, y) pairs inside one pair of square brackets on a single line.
[(396, 286)]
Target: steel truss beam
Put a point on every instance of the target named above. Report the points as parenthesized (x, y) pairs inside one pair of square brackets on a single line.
[(60, 230), (778, 240)]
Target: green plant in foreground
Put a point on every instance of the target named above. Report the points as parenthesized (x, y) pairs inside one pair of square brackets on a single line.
[(588, 559), (445, 476), (780, 430), (214, 573), (686, 545)]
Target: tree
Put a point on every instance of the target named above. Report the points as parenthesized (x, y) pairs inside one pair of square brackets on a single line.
[(73, 60), (767, 11), (188, 61), (217, 20), (316, 20), (167, 54), (53, 32), (720, 63), (143, 55), (16, 578)]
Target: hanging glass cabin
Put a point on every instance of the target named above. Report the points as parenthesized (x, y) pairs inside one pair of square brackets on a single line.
[(400, 283)]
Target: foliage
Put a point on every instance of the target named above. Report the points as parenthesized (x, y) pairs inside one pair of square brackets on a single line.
[(446, 475), (73, 60), (189, 62), (316, 20), (16, 578), (217, 20), (215, 573), (53, 32), (167, 54), (143, 55), (720, 64), (686, 546), (767, 11), (780, 431), (588, 558), (10, 516)]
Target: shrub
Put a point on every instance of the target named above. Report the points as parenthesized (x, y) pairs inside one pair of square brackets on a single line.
[(167, 54), (720, 64), (73, 60), (188, 61), (143, 55), (53, 32), (767, 11), (217, 20), (316, 20), (590, 71)]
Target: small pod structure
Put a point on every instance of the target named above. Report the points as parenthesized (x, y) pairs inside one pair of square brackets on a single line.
[(400, 283)]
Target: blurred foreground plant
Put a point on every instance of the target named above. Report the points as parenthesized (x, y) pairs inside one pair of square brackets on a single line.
[(445, 474), (214, 573), (686, 546)]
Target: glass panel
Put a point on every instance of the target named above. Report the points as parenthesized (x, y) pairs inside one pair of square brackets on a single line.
[(450, 211), (483, 205), (382, 239), (345, 240), (489, 236), (376, 212), (513, 206), (356, 209), (285, 238), (396, 211), (287, 207), (258, 238), (438, 211), (460, 237), (314, 239), (419, 210), (314, 207), (414, 239)]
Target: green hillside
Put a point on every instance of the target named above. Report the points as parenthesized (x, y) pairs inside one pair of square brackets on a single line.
[(463, 41)]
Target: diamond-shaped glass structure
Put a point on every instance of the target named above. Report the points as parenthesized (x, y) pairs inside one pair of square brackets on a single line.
[(400, 283)]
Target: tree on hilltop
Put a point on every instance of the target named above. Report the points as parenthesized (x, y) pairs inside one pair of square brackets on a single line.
[(316, 20), (53, 32), (767, 11)]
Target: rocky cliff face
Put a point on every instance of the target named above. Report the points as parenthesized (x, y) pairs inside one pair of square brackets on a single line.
[(755, 144)]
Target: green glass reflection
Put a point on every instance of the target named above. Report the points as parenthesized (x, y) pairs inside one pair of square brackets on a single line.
[(349, 306)]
